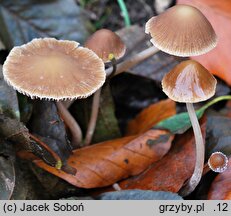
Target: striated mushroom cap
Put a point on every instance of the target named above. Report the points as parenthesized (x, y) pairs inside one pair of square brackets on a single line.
[(189, 82), (218, 162), (104, 42), (183, 31), (54, 69)]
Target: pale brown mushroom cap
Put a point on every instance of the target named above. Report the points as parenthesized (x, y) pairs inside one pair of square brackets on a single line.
[(54, 69), (105, 42), (189, 82), (183, 31)]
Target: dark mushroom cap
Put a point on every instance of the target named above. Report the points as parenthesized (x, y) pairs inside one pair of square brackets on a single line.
[(189, 82), (182, 30), (54, 69), (104, 42)]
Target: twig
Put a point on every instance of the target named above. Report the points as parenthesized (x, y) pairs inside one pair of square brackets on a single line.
[(133, 61)]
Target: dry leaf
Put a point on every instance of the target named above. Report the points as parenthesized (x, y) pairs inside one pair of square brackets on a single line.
[(151, 116), (217, 61), (108, 162), (169, 173), (221, 186)]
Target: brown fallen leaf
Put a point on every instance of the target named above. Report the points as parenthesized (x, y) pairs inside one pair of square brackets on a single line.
[(221, 186), (217, 61), (105, 163), (169, 173), (150, 116)]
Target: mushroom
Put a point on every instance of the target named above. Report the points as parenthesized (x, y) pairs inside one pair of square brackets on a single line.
[(106, 44), (189, 82), (109, 47), (54, 69), (218, 162), (182, 30)]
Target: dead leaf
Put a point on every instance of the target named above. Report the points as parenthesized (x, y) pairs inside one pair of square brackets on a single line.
[(46, 124), (169, 173), (217, 61), (108, 162), (221, 186), (151, 116)]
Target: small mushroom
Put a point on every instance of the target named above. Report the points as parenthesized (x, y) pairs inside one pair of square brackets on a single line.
[(106, 44), (189, 82), (55, 69), (218, 162), (182, 30), (109, 47)]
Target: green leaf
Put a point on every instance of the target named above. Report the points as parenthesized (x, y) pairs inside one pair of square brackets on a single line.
[(21, 21), (179, 123)]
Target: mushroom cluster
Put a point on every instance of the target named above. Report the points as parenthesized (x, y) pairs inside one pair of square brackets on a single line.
[(184, 31), (48, 68)]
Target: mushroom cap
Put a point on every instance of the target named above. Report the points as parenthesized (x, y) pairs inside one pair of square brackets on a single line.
[(54, 69), (104, 42), (218, 162), (189, 82), (183, 31)]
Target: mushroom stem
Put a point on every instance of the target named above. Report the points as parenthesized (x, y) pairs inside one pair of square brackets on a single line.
[(116, 187), (200, 153), (95, 107), (114, 68), (93, 118), (133, 61), (71, 124)]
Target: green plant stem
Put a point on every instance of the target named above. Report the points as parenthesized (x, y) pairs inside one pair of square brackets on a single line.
[(225, 97), (124, 10), (200, 153)]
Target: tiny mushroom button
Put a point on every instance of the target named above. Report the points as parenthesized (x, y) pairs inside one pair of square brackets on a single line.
[(54, 69), (218, 162), (182, 30)]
